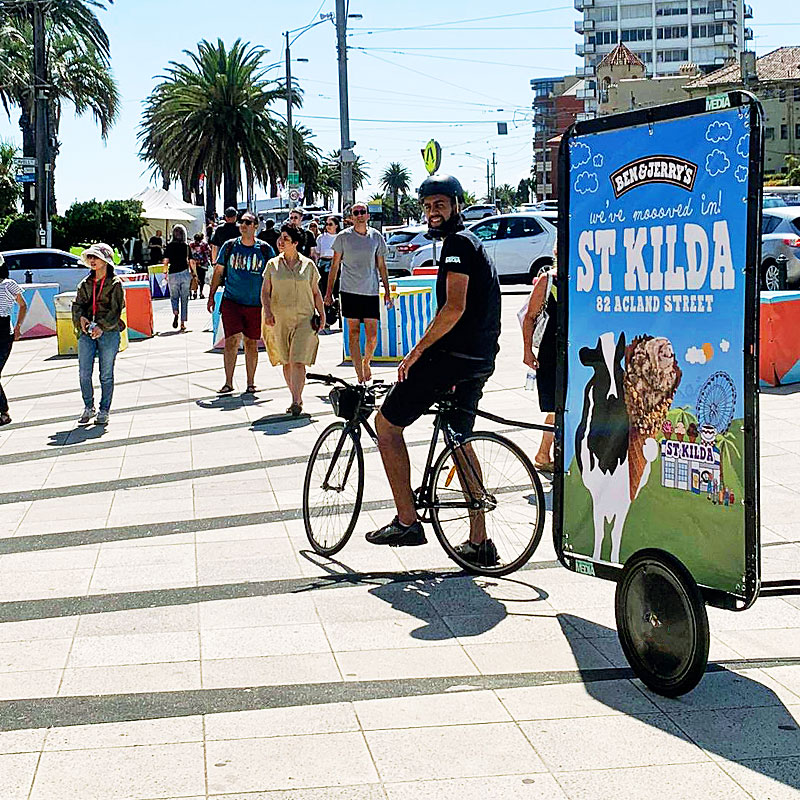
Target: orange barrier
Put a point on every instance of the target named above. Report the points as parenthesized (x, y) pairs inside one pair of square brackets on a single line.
[(779, 344)]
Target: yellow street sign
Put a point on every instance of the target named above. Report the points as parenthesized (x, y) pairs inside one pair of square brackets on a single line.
[(432, 156)]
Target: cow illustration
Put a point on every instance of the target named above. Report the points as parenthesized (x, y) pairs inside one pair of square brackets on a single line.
[(602, 442)]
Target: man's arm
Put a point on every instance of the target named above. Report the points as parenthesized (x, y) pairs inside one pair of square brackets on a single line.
[(337, 260), (535, 304), (444, 321), (384, 273)]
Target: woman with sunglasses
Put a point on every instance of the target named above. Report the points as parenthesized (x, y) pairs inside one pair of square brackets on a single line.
[(325, 250)]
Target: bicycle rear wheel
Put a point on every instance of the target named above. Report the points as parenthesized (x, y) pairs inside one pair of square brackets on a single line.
[(494, 491), (333, 489)]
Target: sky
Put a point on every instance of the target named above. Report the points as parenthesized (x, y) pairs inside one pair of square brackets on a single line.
[(417, 70)]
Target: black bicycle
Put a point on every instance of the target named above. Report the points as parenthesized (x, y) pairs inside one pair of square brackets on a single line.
[(481, 486)]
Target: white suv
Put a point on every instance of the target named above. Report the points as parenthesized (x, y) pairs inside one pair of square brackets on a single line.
[(478, 211), (401, 244), (48, 265), (519, 244)]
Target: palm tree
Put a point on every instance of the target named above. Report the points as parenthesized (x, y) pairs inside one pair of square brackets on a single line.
[(78, 71), (213, 115), (726, 443), (331, 176), (9, 188), (396, 179)]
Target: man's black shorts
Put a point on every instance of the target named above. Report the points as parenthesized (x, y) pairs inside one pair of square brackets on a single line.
[(432, 377)]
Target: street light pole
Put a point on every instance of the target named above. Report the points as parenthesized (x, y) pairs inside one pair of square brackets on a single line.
[(40, 122), (289, 128), (346, 146)]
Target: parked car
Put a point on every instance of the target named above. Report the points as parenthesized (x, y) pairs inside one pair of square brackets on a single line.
[(479, 211), (48, 265), (401, 244), (520, 244), (773, 201), (780, 236)]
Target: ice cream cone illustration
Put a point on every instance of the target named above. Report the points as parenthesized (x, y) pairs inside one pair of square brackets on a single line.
[(667, 428), (652, 376), (680, 431), (692, 432)]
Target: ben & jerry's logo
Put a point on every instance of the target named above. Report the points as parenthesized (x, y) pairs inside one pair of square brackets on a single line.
[(654, 169)]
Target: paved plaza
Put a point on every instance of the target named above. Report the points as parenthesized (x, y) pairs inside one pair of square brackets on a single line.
[(165, 631)]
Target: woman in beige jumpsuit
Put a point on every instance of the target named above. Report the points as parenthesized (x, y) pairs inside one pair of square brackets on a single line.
[(290, 295)]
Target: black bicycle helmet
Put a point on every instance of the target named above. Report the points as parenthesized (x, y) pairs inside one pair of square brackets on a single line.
[(441, 184)]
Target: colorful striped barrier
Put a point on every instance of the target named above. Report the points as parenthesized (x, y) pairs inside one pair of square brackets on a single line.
[(139, 308), (779, 342), (65, 329), (40, 321), (402, 326)]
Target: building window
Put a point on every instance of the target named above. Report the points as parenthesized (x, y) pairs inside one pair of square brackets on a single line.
[(683, 473), (636, 11), (646, 56), (784, 131), (769, 133), (707, 30), (605, 14), (665, 56), (637, 35), (606, 37), (782, 95), (709, 7), (797, 94), (672, 10), (673, 32), (797, 131)]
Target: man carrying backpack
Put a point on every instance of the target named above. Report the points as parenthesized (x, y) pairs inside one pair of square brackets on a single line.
[(240, 264)]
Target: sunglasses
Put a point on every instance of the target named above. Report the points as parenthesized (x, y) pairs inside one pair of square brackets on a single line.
[(247, 222), (359, 212), (330, 224)]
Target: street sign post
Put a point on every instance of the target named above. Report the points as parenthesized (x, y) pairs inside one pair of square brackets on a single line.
[(432, 156), (293, 179)]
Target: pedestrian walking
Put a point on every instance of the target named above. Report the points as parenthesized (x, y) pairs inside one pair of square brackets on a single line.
[(180, 268), (10, 293), (97, 316), (240, 265), (201, 253), (313, 229), (307, 241), (325, 252), (156, 246), (360, 254), (269, 234), (225, 232), (293, 314)]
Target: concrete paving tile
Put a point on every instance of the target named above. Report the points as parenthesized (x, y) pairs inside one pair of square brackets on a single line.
[(457, 708), (458, 751), (270, 670), (717, 651), (39, 560), (592, 743), (162, 771), (572, 700), (400, 632), (293, 721), (155, 576), (40, 654), (371, 792), (33, 585), (288, 762), (532, 786), (248, 569), (26, 685), (393, 601), (276, 640), (433, 662), (26, 741), (125, 734), (541, 657), (134, 557), (250, 612), (31, 630), (734, 734), (162, 677), (140, 620), (677, 782), (529, 629), (255, 547), (762, 644), (16, 775), (140, 648), (766, 778)]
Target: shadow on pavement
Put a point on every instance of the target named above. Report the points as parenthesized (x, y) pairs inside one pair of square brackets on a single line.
[(76, 435), (231, 402), (278, 424), (728, 714)]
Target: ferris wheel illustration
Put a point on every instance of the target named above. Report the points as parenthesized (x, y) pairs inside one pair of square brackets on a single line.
[(716, 402)]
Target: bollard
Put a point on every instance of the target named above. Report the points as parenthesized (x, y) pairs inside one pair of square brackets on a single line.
[(28, 276)]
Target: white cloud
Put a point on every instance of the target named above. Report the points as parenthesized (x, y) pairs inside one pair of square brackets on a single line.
[(724, 345), (719, 132), (695, 355)]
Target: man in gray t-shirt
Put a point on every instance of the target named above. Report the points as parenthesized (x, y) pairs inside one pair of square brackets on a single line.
[(360, 253)]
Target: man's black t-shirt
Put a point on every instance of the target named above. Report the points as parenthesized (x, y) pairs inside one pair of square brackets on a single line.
[(178, 255), (270, 236), (476, 333), (230, 230), (307, 242)]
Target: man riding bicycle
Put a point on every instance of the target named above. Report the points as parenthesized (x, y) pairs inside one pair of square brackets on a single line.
[(458, 350)]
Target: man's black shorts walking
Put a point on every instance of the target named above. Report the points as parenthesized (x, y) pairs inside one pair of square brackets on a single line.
[(432, 377)]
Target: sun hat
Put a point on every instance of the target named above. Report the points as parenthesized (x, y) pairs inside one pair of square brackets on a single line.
[(101, 250)]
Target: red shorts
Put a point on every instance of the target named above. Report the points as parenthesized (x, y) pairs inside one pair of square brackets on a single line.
[(237, 318)]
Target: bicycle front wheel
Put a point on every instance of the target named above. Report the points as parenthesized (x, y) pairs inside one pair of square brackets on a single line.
[(485, 490), (333, 489)]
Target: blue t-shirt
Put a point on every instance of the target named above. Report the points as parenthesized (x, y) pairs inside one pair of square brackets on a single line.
[(244, 269)]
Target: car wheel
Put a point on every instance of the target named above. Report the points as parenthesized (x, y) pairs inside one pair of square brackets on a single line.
[(772, 277), (537, 267)]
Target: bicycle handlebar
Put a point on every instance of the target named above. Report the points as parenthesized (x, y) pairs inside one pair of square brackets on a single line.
[(329, 379)]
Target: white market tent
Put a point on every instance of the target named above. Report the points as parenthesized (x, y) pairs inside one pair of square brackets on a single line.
[(162, 210)]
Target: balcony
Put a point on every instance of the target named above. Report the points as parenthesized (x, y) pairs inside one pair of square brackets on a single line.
[(586, 93), (583, 116), (725, 38), (748, 34), (748, 12), (581, 4), (585, 72), (584, 25), (725, 14), (585, 49)]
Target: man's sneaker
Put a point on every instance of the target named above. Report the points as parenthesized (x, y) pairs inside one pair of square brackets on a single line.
[(87, 415), (102, 418), (397, 535), (481, 555)]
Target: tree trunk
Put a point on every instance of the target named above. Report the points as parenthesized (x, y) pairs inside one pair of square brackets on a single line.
[(396, 212), (28, 151), (164, 182), (186, 190), (211, 197), (52, 129), (230, 188)]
